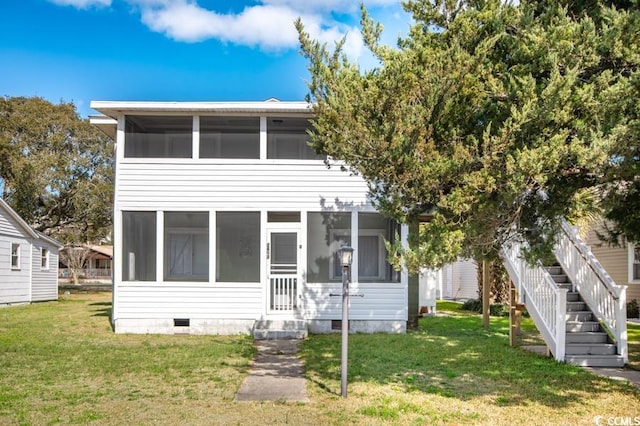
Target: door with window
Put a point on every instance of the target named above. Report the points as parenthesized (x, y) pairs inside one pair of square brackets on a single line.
[(283, 255)]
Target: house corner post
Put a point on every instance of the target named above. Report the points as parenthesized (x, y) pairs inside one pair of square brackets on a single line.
[(413, 288)]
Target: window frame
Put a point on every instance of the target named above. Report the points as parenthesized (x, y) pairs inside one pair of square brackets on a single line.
[(190, 233), (44, 259), (634, 258), (15, 255)]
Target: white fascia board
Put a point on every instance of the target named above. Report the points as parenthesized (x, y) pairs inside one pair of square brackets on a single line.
[(114, 108), (106, 124)]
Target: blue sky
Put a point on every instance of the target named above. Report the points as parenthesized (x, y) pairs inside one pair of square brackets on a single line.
[(172, 50)]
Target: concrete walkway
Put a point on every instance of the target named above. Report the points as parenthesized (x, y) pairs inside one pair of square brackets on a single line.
[(276, 375)]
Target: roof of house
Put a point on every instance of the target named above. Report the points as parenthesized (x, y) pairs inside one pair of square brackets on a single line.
[(102, 249), (28, 230), (110, 110)]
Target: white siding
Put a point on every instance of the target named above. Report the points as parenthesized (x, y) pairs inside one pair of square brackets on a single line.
[(465, 279), (266, 184), (378, 301), (193, 301), (14, 283), (44, 281)]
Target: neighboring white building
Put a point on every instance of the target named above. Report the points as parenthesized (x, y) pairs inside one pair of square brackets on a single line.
[(457, 281), (223, 216), (28, 261)]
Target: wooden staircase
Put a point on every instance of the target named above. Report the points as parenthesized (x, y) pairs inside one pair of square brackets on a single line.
[(586, 343)]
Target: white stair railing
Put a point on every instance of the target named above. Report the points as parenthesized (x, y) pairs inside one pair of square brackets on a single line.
[(606, 300), (546, 302)]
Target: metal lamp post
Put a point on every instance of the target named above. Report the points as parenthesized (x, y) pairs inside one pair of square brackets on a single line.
[(346, 258)]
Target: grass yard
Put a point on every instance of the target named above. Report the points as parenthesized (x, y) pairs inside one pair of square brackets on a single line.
[(60, 363)]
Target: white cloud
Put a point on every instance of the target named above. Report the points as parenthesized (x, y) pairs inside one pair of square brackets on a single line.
[(266, 24), (82, 4)]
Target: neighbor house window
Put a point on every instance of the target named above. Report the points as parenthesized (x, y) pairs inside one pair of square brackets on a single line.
[(287, 138), (158, 136), (326, 233), (230, 137), (186, 246), (44, 259), (15, 256), (238, 247), (138, 246), (373, 230), (634, 263)]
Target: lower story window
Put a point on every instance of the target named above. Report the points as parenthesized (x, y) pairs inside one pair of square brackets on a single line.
[(15, 256), (238, 247), (186, 246), (138, 246)]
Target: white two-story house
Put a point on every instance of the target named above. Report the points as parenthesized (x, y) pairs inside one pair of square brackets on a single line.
[(224, 216)]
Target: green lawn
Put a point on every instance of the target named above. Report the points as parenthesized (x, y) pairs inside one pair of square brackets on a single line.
[(60, 363)]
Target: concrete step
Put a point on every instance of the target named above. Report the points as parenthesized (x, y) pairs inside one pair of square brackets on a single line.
[(576, 306), (280, 329), (587, 337), (580, 316), (590, 349), (615, 361), (582, 326)]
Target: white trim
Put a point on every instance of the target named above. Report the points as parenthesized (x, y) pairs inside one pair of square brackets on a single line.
[(160, 246), (631, 249), (212, 246), (195, 149), (263, 138)]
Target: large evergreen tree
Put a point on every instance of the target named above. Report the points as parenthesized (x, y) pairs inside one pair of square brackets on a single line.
[(56, 170), (493, 118)]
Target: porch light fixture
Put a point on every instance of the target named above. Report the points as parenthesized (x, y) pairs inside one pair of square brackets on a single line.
[(346, 255)]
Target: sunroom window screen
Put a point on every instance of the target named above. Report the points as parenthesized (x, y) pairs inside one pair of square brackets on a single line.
[(230, 137), (636, 263), (326, 233), (287, 139), (238, 247), (158, 136), (186, 241), (138, 246), (373, 230)]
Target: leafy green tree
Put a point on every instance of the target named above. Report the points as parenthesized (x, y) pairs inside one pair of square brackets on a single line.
[(56, 170), (494, 119)]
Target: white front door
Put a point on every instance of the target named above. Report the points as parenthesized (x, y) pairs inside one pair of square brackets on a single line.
[(283, 255)]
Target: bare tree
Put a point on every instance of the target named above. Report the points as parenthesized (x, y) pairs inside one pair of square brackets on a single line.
[(75, 257)]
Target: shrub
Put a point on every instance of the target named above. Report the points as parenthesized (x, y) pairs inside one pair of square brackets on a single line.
[(633, 309), (495, 309)]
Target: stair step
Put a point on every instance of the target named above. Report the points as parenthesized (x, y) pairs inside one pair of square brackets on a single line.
[(580, 316), (555, 270), (586, 337), (576, 306), (280, 329), (574, 296), (616, 361), (590, 349), (560, 278), (582, 326)]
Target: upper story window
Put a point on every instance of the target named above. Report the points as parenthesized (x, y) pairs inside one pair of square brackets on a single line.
[(158, 136), (230, 137), (287, 138), (15, 256)]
